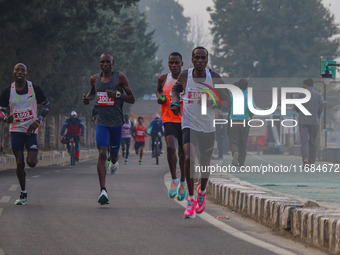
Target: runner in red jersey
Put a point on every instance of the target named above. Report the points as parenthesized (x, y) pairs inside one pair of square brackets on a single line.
[(139, 136)]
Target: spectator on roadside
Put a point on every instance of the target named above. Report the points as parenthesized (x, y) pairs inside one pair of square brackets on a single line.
[(221, 136), (309, 125), (239, 128)]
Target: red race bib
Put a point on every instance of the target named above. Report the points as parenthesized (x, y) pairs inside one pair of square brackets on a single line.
[(23, 115), (103, 99)]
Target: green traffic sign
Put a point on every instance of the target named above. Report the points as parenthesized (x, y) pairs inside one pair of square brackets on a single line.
[(331, 69)]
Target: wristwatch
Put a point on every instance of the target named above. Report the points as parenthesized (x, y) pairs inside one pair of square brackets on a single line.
[(118, 94)]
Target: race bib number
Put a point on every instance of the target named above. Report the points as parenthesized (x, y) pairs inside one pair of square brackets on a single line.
[(126, 132), (140, 133), (23, 115), (103, 99), (195, 96)]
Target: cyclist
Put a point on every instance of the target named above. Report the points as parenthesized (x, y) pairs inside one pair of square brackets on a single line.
[(139, 136), (156, 128), (126, 137), (74, 126)]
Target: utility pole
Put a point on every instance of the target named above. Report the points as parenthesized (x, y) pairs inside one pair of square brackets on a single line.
[(328, 71)]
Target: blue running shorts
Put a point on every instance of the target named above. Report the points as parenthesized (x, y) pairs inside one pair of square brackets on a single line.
[(19, 140), (109, 136)]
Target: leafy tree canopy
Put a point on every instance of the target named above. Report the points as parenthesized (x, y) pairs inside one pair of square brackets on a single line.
[(272, 38), (170, 28), (61, 41)]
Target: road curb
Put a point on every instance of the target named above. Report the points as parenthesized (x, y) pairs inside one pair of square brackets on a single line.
[(319, 226), (47, 159)]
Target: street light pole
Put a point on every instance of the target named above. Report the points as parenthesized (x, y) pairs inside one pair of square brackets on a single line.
[(324, 112), (324, 96)]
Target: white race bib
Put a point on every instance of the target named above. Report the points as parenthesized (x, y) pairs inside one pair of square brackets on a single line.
[(140, 133)]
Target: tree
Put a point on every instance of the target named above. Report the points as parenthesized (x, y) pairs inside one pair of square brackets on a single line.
[(170, 28), (197, 34), (135, 51), (123, 35), (60, 42), (271, 38)]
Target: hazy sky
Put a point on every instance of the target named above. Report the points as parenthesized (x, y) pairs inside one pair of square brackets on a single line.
[(197, 8)]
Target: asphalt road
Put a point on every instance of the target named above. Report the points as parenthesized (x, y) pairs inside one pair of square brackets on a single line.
[(63, 217)]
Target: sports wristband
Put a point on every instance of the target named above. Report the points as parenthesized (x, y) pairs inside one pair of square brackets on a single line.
[(175, 105), (37, 123)]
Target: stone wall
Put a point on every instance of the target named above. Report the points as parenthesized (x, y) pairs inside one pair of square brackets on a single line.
[(49, 134)]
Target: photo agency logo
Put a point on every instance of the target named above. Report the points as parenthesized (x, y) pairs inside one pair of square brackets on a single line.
[(204, 97), (239, 105)]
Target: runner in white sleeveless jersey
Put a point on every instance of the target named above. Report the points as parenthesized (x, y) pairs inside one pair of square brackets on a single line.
[(22, 98), (198, 130), (126, 138)]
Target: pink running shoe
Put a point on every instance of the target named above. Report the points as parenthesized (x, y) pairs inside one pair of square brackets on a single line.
[(200, 201), (190, 211)]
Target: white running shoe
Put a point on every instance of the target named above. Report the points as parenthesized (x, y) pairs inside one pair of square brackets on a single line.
[(113, 167), (103, 198), (126, 162)]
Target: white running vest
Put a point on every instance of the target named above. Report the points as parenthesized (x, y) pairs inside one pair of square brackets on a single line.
[(23, 108), (192, 117), (126, 130)]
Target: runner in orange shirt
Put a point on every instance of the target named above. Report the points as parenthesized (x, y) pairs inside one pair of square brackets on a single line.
[(172, 125)]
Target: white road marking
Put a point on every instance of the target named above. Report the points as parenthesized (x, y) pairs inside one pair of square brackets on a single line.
[(2, 252), (5, 199), (1, 209), (233, 231), (13, 187), (36, 176)]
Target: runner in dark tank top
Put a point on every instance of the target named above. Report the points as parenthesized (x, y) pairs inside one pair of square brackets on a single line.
[(110, 89)]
